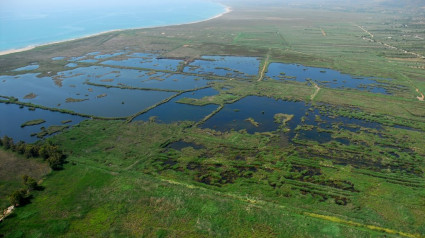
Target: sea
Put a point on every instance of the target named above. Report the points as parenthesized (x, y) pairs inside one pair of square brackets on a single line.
[(25, 23)]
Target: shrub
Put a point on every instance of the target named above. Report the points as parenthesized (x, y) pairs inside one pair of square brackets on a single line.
[(56, 161), (30, 183), (19, 197)]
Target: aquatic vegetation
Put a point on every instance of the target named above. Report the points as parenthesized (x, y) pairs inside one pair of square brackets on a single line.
[(30, 96), (33, 122), (51, 130), (252, 121), (75, 100), (228, 66), (283, 119)]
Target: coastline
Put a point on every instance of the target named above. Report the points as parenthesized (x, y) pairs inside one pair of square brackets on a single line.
[(30, 47)]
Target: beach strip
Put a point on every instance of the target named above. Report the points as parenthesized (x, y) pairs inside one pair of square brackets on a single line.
[(11, 51)]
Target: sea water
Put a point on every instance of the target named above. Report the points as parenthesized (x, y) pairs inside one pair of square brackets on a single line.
[(27, 22)]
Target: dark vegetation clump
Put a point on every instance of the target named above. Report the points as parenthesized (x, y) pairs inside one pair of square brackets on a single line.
[(22, 196), (48, 152)]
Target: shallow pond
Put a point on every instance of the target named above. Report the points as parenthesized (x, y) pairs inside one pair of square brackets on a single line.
[(106, 56), (71, 93), (173, 111), (141, 79), (326, 121), (179, 145), (143, 60), (58, 58), (71, 65), (323, 77), (229, 66), (88, 61), (261, 109), (13, 117), (28, 67), (247, 112)]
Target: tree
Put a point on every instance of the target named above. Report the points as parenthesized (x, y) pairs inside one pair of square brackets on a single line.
[(7, 142), (47, 150), (30, 183), (30, 151), (20, 147), (19, 197), (43, 152), (56, 161)]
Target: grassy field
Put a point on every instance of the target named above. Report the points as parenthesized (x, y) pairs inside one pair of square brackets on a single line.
[(121, 184), (84, 201), (127, 178)]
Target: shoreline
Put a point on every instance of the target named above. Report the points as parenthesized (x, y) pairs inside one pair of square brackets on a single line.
[(30, 47)]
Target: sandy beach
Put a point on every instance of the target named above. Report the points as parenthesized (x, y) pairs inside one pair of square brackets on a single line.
[(11, 51)]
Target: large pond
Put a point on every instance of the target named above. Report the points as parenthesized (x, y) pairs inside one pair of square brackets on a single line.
[(323, 77), (141, 79), (149, 61), (261, 109), (70, 92), (258, 114), (173, 111), (228, 66)]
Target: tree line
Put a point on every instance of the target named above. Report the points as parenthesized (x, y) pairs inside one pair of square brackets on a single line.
[(49, 152)]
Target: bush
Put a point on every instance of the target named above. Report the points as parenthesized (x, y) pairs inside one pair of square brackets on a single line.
[(19, 197), (56, 161), (30, 183), (7, 142)]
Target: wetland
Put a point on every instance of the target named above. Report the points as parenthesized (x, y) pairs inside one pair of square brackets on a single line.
[(228, 127)]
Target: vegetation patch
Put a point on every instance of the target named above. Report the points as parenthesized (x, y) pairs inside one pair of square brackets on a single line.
[(283, 119), (51, 130), (30, 96), (33, 122), (252, 121), (75, 100)]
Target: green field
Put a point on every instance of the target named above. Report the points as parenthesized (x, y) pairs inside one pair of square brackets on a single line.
[(138, 186), (126, 178)]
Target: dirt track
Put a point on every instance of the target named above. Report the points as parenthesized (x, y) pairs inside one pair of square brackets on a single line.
[(264, 69), (422, 97), (315, 92)]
